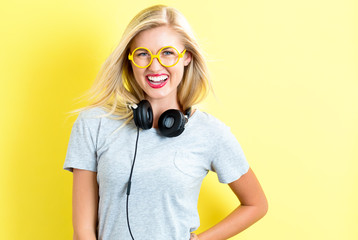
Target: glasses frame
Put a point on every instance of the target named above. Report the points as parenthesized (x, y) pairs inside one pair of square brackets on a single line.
[(180, 55)]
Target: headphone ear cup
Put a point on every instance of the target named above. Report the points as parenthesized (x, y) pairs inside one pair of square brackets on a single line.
[(143, 115), (171, 123)]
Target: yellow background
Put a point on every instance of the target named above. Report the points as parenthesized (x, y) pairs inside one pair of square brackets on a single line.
[(286, 80)]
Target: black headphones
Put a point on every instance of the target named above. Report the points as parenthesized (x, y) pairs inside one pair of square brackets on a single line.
[(171, 123)]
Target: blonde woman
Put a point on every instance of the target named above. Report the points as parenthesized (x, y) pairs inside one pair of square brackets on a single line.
[(140, 150)]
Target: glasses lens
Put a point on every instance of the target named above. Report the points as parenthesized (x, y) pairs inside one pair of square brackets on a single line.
[(141, 57), (169, 56)]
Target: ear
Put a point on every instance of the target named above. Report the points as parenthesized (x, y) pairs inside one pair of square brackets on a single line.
[(187, 58)]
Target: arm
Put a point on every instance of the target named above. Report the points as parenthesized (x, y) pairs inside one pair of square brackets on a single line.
[(253, 207), (84, 204)]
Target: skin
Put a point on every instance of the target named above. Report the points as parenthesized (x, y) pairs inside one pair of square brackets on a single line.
[(161, 99), (252, 202), (84, 204), (252, 208), (247, 188)]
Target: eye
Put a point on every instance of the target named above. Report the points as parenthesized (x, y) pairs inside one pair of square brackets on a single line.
[(167, 53), (142, 54)]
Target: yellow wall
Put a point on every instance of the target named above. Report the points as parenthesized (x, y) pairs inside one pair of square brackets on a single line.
[(285, 75)]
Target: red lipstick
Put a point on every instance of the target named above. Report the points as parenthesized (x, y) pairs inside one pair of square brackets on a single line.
[(157, 80)]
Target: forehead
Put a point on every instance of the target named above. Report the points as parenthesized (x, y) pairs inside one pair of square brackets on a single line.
[(156, 38)]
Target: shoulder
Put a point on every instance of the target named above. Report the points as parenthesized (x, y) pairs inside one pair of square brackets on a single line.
[(209, 118), (96, 115), (99, 120), (101, 124), (90, 117), (209, 124), (91, 113)]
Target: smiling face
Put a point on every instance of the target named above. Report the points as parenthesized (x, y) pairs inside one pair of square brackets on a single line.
[(159, 82)]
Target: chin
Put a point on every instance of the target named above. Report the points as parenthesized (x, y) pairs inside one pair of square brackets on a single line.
[(160, 94), (157, 95)]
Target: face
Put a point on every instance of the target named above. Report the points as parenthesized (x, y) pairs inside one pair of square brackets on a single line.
[(159, 82)]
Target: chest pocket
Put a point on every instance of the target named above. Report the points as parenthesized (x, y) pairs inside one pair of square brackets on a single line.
[(191, 164)]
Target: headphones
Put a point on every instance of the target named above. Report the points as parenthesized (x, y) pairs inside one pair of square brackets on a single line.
[(171, 123)]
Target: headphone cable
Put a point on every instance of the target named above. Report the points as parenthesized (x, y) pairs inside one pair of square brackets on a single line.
[(130, 182)]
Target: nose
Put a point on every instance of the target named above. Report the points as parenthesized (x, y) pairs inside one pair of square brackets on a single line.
[(155, 65)]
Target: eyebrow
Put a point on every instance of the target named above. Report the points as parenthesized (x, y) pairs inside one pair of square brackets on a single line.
[(142, 49), (154, 52)]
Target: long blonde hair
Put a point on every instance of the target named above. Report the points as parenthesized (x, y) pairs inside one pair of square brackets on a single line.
[(115, 86)]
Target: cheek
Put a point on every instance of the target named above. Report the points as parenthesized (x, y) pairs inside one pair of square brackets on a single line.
[(177, 72), (138, 73)]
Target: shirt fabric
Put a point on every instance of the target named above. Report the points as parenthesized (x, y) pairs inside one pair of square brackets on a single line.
[(167, 174)]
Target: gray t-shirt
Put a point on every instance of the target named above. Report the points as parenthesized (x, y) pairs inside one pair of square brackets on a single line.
[(167, 175)]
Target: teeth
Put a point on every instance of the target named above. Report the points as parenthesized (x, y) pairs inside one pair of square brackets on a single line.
[(157, 79)]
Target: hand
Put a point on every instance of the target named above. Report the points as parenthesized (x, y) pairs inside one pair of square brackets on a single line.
[(193, 236)]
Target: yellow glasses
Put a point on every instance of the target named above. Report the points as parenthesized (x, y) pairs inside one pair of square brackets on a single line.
[(168, 56)]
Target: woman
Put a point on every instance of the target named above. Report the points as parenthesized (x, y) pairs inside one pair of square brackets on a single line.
[(137, 165)]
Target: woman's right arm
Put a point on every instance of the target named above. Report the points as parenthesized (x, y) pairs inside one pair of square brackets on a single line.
[(84, 204)]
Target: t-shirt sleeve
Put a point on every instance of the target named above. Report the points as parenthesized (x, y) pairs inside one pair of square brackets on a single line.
[(81, 151), (229, 161)]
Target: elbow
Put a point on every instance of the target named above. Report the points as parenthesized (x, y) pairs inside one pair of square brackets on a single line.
[(264, 208), (257, 210), (260, 209)]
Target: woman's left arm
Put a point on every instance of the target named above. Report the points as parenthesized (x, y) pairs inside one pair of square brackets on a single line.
[(253, 207)]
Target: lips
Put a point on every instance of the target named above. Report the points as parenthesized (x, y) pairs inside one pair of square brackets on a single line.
[(157, 80)]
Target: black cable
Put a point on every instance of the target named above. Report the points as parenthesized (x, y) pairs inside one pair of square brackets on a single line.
[(130, 182)]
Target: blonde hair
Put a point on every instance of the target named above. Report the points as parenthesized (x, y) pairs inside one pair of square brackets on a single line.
[(115, 86)]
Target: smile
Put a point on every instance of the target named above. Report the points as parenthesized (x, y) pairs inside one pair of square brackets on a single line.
[(157, 81)]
